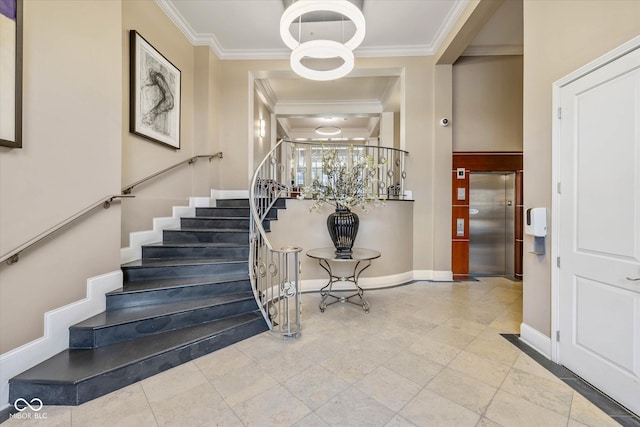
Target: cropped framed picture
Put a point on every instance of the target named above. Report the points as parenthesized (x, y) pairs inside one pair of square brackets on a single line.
[(11, 73), (154, 111)]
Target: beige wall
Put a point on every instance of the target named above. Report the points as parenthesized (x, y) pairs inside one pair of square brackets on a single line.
[(237, 126), (261, 145), (72, 127), (487, 103), (386, 229), (423, 170), (559, 37), (142, 157)]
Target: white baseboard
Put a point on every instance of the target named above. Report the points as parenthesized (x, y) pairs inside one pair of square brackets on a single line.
[(56, 330), (536, 340), (229, 194), (312, 285), (139, 238), (435, 275), (200, 202)]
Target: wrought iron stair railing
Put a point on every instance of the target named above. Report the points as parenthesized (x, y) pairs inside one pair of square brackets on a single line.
[(274, 272)]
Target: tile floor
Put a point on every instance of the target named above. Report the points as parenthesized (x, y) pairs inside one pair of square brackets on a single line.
[(428, 354)]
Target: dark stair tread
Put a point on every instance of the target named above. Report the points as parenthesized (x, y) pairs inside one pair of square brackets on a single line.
[(217, 217), (197, 245), (209, 230), (132, 314), (168, 262), (74, 366), (159, 284)]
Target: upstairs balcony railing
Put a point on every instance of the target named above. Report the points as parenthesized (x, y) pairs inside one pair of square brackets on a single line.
[(304, 165)]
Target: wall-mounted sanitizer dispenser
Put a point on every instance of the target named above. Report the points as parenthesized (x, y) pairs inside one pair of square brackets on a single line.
[(536, 222)]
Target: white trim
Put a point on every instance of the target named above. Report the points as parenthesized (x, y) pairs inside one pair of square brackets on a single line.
[(536, 340), (380, 282), (137, 239), (311, 285), (434, 275), (600, 62), (442, 276), (208, 39), (56, 330), (229, 194)]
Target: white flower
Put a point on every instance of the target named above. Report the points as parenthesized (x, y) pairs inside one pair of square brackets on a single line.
[(344, 184)]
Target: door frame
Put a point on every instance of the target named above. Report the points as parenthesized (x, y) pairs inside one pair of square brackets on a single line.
[(482, 161), (556, 138)]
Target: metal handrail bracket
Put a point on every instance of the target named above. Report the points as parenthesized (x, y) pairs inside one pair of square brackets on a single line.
[(192, 160), (13, 255)]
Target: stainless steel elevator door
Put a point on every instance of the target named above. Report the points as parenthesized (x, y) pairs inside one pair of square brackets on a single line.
[(491, 223)]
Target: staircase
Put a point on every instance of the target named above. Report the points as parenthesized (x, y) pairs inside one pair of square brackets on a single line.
[(188, 296)]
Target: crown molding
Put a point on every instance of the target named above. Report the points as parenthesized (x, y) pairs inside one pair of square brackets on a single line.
[(265, 91), (207, 39), (329, 107), (495, 49), (196, 39), (447, 25)]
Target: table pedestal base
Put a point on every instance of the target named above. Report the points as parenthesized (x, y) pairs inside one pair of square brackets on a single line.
[(327, 290)]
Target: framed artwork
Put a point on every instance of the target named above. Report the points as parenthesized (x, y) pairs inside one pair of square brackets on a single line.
[(11, 73), (154, 110)]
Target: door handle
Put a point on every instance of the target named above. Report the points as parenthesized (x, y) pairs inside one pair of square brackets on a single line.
[(633, 279)]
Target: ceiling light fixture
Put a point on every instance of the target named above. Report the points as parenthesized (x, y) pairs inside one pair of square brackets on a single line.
[(322, 49), (328, 130)]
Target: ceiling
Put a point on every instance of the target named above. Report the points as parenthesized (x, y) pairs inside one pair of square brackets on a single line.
[(394, 28)]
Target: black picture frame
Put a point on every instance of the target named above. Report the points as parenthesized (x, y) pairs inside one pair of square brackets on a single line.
[(11, 83), (154, 93)]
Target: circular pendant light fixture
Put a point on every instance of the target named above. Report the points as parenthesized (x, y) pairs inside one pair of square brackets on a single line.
[(328, 130), (322, 49)]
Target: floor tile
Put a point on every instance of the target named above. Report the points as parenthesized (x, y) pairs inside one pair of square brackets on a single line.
[(509, 410), (354, 408), (463, 390), (586, 413), (388, 388), (48, 416), (275, 407), (284, 365), (485, 370), (415, 368), (451, 336), (435, 351), (243, 384), (428, 354), (221, 362), (548, 394), (173, 382), (315, 386), (311, 420), (431, 409), (126, 407), (398, 421), (199, 406)]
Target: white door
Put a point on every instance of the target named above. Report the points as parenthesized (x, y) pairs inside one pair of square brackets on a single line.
[(599, 228)]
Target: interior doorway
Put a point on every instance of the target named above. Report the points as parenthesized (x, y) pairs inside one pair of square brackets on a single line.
[(506, 168), (492, 223)]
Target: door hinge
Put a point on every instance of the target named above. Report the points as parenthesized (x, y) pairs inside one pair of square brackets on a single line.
[(558, 336), (558, 262), (559, 188), (559, 113)]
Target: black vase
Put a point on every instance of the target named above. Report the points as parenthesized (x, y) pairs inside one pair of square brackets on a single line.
[(343, 227)]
